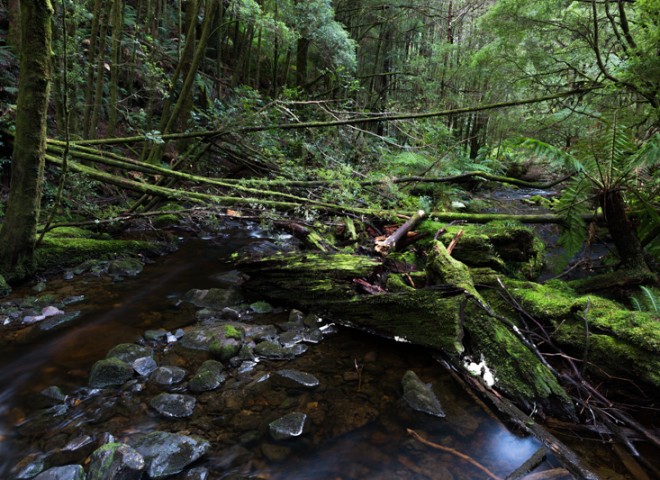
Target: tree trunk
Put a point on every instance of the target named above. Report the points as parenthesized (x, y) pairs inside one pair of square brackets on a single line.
[(14, 32), (622, 231), (17, 235)]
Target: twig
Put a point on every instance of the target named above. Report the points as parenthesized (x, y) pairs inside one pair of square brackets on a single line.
[(530, 464), (456, 453), (454, 242)]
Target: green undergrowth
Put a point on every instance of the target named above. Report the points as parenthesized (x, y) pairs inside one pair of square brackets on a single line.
[(67, 247)]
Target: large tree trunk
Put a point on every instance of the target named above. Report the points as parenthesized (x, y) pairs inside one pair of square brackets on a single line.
[(17, 235)]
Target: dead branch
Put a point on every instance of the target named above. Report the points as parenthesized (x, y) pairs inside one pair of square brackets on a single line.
[(456, 453)]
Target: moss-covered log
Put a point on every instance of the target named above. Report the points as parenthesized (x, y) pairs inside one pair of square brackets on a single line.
[(612, 339), (449, 316)]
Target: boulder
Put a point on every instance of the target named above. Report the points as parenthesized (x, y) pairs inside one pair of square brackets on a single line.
[(295, 379), (129, 352), (168, 375), (166, 453), (110, 372), (214, 298), (115, 461), (419, 396), (174, 405), (288, 426), (125, 267), (208, 377), (67, 472)]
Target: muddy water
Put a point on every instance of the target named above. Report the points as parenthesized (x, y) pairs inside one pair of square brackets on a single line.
[(358, 422)]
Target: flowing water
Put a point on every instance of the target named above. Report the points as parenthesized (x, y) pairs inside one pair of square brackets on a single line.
[(358, 420)]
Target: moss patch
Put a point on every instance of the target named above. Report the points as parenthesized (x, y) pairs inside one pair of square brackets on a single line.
[(66, 252), (620, 341), (5, 289), (506, 247)]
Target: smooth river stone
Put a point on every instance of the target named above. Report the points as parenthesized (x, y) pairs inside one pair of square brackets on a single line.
[(174, 405), (288, 426)]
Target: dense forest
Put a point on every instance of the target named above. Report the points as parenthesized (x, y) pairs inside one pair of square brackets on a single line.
[(390, 138)]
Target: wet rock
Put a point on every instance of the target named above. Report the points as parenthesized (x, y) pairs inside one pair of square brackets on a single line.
[(197, 473), (52, 324), (174, 405), (67, 472), (209, 376), (229, 313), (53, 394), (214, 298), (168, 375), (168, 453), (110, 372), (261, 307), (275, 453), (314, 336), (275, 351), (73, 299), (76, 451), (296, 317), (144, 366), (125, 267), (288, 426), (312, 320), (291, 338), (29, 467), (129, 352), (158, 335), (420, 396), (225, 348), (294, 379), (115, 461), (233, 278)]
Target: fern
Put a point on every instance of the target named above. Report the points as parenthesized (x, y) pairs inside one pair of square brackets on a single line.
[(648, 300), (556, 156)]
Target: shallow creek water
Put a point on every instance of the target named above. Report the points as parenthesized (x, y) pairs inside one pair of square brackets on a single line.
[(357, 418)]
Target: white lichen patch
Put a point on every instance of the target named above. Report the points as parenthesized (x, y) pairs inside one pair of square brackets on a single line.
[(480, 370)]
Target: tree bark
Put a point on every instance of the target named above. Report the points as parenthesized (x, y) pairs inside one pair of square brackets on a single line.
[(622, 231), (18, 232)]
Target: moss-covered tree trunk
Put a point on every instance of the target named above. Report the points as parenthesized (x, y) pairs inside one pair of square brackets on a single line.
[(17, 235)]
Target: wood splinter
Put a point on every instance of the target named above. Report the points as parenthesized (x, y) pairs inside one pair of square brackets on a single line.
[(384, 247)]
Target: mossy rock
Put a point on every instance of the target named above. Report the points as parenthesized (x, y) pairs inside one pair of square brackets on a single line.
[(110, 372), (621, 341), (56, 252)]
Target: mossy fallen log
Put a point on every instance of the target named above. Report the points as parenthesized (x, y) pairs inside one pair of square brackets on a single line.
[(448, 316), (612, 340)]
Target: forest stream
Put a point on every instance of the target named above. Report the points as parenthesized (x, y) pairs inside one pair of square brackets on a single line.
[(355, 424)]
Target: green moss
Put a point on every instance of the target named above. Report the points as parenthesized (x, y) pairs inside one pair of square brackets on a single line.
[(620, 341), (71, 232), (66, 252), (230, 331), (517, 370), (5, 289), (506, 247)]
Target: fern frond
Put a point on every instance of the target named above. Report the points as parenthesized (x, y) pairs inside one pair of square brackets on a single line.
[(652, 297), (648, 155), (646, 301), (556, 156)]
